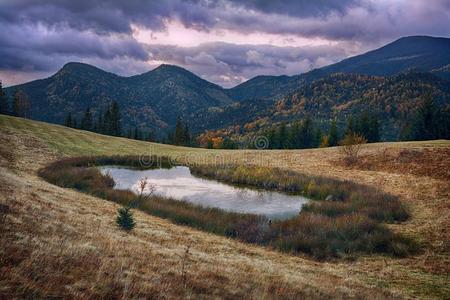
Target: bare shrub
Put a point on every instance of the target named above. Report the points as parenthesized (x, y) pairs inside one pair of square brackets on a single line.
[(351, 146), (146, 189)]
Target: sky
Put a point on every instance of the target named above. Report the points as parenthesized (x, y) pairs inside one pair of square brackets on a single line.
[(226, 42)]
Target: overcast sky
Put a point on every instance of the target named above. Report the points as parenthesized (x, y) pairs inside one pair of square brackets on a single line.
[(226, 42)]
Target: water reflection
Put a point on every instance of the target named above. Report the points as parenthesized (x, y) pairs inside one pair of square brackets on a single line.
[(178, 183)]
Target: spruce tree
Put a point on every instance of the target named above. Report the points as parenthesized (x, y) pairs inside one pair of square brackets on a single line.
[(374, 130), (86, 121), (283, 136), (178, 137), (294, 135), (21, 105), (100, 124), (272, 138), (107, 126), (306, 134), (186, 136), (137, 134), (318, 137), (4, 105), (351, 126), (424, 123), (115, 126), (68, 121), (125, 219), (15, 105), (363, 125), (333, 137)]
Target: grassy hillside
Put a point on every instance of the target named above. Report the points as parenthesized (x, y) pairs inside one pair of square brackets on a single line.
[(58, 242)]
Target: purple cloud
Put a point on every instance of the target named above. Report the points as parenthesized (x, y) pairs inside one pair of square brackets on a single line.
[(42, 36)]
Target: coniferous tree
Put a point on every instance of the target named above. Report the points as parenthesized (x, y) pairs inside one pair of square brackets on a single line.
[(130, 133), (363, 125), (100, 124), (21, 105), (137, 134), (272, 139), (107, 125), (283, 136), (318, 137), (115, 126), (4, 103), (229, 144), (125, 219), (374, 130), (186, 136), (86, 121), (178, 137), (306, 134), (424, 123), (333, 137), (443, 121), (351, 126), (294, 135), (68, 121), (151, 136)]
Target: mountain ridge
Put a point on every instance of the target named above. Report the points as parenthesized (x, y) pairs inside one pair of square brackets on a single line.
[(155, 99)]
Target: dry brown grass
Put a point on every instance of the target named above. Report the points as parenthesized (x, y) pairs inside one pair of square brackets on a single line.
[(58, 242)]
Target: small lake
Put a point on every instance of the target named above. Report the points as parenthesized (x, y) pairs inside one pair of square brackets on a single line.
[(178, 183)]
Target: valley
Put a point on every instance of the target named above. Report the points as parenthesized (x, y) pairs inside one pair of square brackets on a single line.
[(69, 239)]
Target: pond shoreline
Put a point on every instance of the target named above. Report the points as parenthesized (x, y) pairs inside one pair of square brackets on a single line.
[(178, 183), (348, 226)]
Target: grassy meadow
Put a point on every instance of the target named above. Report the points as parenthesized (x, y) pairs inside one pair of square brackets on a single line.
[(58, 242)]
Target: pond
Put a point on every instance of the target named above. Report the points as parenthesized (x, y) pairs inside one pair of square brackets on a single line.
[(178, 183)]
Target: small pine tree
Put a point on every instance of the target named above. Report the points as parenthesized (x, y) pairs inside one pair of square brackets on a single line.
[(125, 219)]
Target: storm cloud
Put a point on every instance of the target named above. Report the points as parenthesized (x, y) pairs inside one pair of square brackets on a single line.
[(225, 41)]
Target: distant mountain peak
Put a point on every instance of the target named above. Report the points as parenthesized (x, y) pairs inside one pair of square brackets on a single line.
[(78, 65)]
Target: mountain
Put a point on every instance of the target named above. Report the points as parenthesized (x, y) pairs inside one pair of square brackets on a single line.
[(421, 53), (152, 100), (155, 99), (393, 99)]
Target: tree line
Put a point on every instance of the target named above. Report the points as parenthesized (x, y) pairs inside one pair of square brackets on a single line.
[(428, 123), (20, 106), (306, 134), (181, 135), (107, 123)]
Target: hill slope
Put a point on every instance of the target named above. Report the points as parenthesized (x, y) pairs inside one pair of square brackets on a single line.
[(393, 99), (422, 53), (60, 243), (153, 99)]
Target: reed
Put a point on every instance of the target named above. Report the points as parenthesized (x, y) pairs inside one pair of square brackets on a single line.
[(349, 224)]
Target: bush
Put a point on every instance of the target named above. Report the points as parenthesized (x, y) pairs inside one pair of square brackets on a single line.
[(125, 219), (351, 145)]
